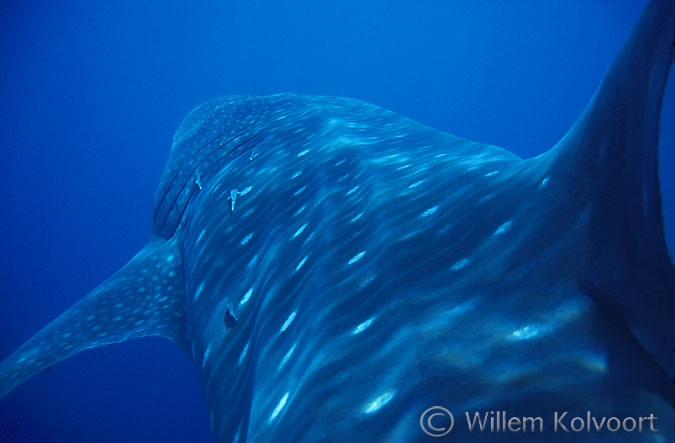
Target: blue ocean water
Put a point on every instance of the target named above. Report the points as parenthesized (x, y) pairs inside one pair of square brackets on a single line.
[(90, 95)]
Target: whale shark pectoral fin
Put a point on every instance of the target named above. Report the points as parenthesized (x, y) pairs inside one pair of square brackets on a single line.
[(145, 297), (607, 164)]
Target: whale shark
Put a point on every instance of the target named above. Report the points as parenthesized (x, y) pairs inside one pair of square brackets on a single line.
[(336, 271)]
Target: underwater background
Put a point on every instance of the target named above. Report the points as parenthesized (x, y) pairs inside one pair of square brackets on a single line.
[(92, 92)]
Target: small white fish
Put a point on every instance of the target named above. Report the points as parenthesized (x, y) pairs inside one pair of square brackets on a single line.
[(233, 198), (198, 181)]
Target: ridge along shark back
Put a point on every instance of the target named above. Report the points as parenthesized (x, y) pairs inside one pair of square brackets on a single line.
[(335, 270)]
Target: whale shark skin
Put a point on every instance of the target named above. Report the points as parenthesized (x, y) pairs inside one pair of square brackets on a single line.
[(334, 269)]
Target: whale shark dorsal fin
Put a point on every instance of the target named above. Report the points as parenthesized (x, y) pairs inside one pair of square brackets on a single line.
[(607, 165), (145, 297)]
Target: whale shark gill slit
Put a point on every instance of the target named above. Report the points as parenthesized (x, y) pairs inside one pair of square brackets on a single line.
[(170, 213)]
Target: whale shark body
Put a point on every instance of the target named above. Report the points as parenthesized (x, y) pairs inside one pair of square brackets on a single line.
[(335, 271)]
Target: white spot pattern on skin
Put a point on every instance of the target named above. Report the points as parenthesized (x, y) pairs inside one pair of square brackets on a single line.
[(429, 211), (356, 217), (363, 326), (296, 175), (460, 264), (246, 297), (504, 228), (301, 264), (287, 357), (379, 402), (544, 182), (299, 231), (309, 238), (300, 210), (525, 333), (303, 153), (207, 352), (199, 290), (247, 239), (279, 407), (368, 280), (288, 321), (356, 258), (242, 356)]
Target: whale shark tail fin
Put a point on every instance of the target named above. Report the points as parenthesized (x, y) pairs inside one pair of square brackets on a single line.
[(145, 297), (607, 164)]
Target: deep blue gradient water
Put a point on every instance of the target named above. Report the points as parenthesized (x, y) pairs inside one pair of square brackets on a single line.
[(90, 95)]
